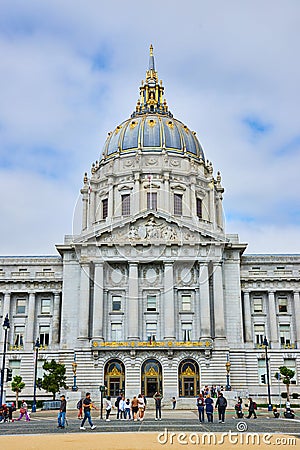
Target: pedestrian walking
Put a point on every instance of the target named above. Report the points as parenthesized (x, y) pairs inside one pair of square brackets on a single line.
[(61, 418), (209, 407), (221, 403), (87, 406), (108, 406), (79, 407), (158, 398), (174, 402), (200, 405), (134, 407), (24, 411), (141, 405), (117, 404), (239, 408), (251, 409)]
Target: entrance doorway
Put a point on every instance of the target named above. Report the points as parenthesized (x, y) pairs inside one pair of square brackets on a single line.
[(114, 377), (151, 377), (189, 380)]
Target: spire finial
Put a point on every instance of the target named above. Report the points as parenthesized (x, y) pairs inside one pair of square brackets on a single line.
[(151, 59)]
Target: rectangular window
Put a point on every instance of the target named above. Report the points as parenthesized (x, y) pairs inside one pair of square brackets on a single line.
[(19, 336), (151, 331), (259, 334), (116, 303), (257, 305), (45, 306), (285, 334), (199, 207), (282, 304), (151, 302), (178, 204), (125, 200), (21, 306), (104, 208), (186, 302), (187, 332), (116, 331), (152, 201), (44, 335), (262, 371), (15, 365)]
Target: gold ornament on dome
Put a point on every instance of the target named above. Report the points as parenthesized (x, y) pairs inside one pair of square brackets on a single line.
[(170, 125), (133, 124), (151, 123)]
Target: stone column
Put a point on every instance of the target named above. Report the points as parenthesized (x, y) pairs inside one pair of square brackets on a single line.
[(6, 310), (166, 193), (110, 211), (91, 208), (30, 336), (193, 211), (212, 212), (84, 301), (297, 316), (168, 302), (98, 301), (204, 300), (56, 318), (218, 301), (133, 302), (273, 333), (84, 211), (136, 194), (247, 318)]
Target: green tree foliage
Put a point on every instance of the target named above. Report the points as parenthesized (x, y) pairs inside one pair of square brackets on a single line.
[(287, 375), (17, 385), (55, 379)]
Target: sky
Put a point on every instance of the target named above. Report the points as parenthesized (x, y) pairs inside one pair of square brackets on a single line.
[(70, 72)]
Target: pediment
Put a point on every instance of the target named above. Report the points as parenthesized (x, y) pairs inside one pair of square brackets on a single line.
[(152, 228)]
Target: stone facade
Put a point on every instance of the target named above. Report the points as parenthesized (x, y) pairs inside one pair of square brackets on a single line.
[(153, 293)]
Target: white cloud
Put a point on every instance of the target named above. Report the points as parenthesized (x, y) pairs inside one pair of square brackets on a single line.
[(70, 72)]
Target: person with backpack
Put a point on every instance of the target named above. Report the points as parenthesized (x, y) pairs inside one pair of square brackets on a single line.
[(251, 409), (209, 403), (79, 407), (87, 406), (200, 405), (117, 405), (221, 404)]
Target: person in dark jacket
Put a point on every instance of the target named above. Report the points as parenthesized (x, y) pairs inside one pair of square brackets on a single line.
[(251, 409), (221, 404), (200, 406), (209, 403), (62, 412)]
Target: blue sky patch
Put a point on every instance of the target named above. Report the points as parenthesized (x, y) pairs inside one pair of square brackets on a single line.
[(256, 126)]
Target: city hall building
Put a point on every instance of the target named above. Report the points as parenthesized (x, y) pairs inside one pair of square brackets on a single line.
[(152, 294)]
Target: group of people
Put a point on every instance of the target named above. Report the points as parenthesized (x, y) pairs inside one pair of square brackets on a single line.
[(206, 402), (6, 412), (133, 409)]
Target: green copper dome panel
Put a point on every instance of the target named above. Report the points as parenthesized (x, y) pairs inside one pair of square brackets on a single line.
[(152, 132)]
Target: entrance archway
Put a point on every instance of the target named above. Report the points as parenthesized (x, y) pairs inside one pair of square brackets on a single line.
[(189, 379), (151, 377), (114, 377)]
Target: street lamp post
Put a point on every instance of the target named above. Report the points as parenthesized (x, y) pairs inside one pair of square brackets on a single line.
[(74, 369), (266, 344), (36, 346), (6, 327), (228, 365)]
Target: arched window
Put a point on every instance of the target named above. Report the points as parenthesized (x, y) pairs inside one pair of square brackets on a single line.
[(151, 377), (189, 379), (114, 377)]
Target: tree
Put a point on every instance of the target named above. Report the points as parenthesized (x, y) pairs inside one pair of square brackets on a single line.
[(287, 374), (16, 386), (55, 379)]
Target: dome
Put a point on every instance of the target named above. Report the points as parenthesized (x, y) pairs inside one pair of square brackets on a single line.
[(152, 128), (152, 133)]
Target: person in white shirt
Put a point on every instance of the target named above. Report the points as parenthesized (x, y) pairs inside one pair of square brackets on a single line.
[(122, 406), (108, 407), (141, 405)]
